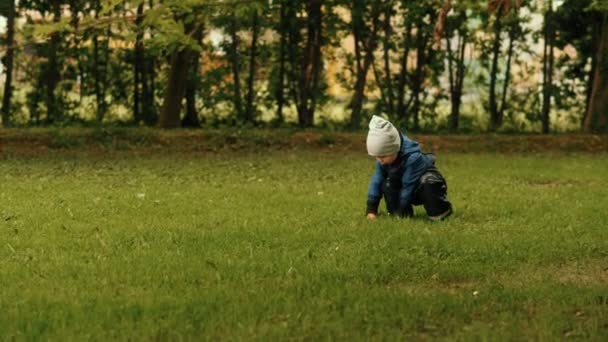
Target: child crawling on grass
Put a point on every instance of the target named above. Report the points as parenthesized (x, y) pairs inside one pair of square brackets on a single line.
[(404, 175)]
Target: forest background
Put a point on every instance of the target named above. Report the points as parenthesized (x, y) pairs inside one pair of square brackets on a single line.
[(429, 65)]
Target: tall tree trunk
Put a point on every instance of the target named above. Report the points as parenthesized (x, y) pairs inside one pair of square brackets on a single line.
[(548, 62), (52, 71), (234, 59), (456, 77), (175, 91), (505, 85), (459, 83), (597, 116), (401, 105), (311, 65), (385, 85), (191, 118), (8, 65), (495, 120), (293, 59), (105, 64), (99, 98), (76, 39), (138, 65), (596, 28), (358, 25), (421, 43), (388, 32), (369, 47), (148, 81), (250, 106), (148, 110), (280, 93)]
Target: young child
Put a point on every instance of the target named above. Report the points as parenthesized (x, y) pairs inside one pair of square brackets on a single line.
[(404, 175)]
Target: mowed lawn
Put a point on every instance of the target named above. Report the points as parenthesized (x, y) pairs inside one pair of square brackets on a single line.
[(275, 245)]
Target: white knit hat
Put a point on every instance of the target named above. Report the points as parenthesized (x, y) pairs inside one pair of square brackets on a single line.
[(383, 139)]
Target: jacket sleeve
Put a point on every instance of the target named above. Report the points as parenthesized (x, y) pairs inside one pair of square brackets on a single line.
[(374, 193), (415, 167)]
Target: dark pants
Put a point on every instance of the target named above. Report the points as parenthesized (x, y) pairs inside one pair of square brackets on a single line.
[(431, 192)]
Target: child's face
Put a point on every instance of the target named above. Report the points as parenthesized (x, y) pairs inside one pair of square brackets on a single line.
[(387, 160)]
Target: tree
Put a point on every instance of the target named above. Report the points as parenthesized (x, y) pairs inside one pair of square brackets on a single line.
[(8, 61), (252, 15), (283, 30), (456, 63), (548, 66), (52, 73), (366, 41), (501, 10), (253, 51), (596, 119), (181, 62), (310, 65), (236, 66), (180, 27), (139, 70), (191, 118), (387, 92), (423, 12), (99, 78)]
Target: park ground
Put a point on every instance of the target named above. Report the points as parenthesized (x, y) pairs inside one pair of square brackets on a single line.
[(124, 234)]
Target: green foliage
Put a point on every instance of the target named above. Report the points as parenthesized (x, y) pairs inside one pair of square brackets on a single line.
[(265, 246), (599, 5), (44, 31), (170, 25), (5, 8)]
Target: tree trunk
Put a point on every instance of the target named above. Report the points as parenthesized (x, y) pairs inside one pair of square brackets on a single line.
[(76, 39), (456, 77), (52, 71), (8, 65), (388, 32), (148, 110), (280, 93), (357, 22), (234, 59), (175, 91), (250, 106), (99, 83), (138, 65), (597, 116), (548, 62), (421, 42), (311, 65), (596, 27), (148, 80), (495, 120), (385, 85), (191, 118), (369, 47), (505, 86), (293, 59), (401, 112)]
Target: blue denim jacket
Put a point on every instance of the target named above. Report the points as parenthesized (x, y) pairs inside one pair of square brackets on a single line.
[(414, 164)]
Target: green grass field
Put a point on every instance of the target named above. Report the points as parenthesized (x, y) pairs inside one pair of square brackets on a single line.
[(275, 245)]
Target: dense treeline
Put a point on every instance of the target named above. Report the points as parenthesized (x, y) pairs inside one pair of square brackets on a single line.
[(535, 65)]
